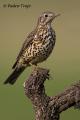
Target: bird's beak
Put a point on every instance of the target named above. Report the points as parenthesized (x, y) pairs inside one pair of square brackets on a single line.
[(57, 15)]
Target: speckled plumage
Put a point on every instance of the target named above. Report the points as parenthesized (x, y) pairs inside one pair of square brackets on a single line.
[(37, 47)]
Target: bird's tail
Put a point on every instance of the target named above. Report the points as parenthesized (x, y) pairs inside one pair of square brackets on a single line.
[(14, 75)]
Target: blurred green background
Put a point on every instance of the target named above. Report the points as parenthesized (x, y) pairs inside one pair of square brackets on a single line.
[(64, 62)]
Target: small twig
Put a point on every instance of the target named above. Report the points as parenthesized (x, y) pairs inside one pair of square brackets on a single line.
[(49, 108)]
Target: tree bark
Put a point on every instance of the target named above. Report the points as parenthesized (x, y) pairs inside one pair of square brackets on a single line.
[(49, 108)]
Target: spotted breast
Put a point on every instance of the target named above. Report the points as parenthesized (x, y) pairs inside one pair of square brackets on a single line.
[(41, 46)]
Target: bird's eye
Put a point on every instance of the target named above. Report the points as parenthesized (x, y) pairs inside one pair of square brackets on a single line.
[(46, 15)]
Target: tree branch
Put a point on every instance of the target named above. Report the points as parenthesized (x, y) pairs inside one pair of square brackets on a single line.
[(49, 108)]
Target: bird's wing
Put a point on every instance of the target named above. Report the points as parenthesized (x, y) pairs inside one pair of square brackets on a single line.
[(27, 42)]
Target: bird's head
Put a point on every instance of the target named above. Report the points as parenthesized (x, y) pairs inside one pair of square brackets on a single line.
[(46, 17)]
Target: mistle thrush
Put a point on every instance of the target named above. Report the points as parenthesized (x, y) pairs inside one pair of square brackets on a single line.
[(37, 46)]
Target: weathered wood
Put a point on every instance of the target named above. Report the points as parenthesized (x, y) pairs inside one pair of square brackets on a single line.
[(49, 108)]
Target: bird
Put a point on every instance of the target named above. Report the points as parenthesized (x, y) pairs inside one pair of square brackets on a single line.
[(36, 47)]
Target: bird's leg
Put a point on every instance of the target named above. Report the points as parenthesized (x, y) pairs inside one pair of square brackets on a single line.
[(34, 66)]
